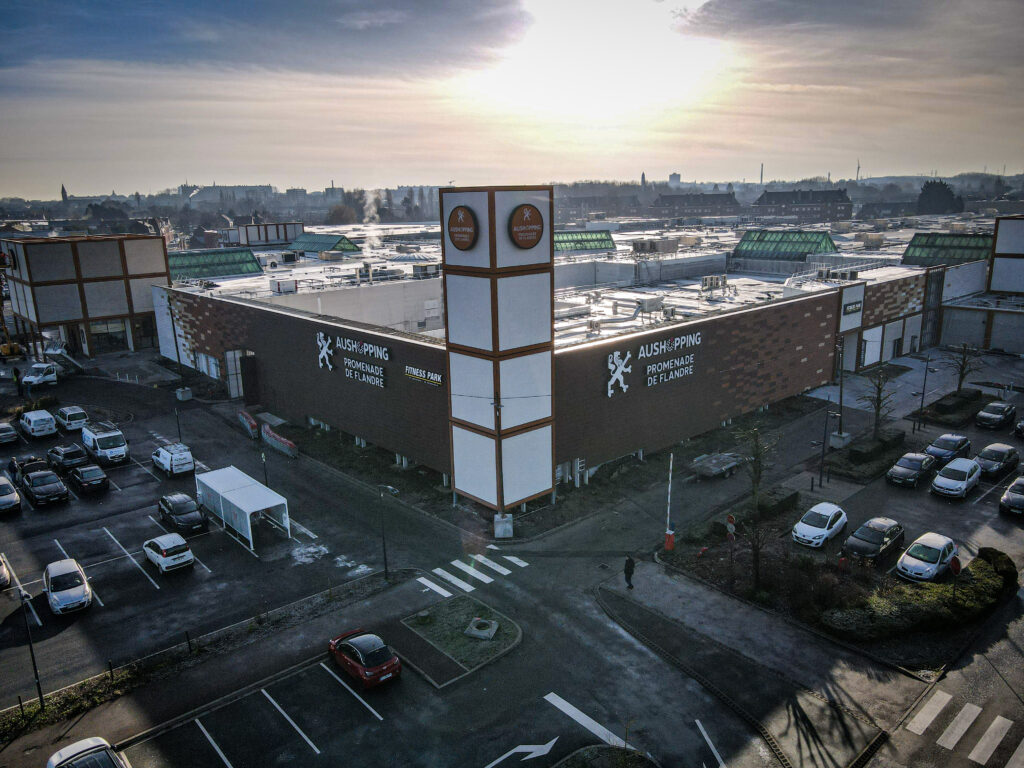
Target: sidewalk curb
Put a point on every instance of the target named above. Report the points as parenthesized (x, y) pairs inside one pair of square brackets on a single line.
[(793, 623), (565, 760)]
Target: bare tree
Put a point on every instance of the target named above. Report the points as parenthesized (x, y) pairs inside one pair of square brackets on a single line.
[(879, 397), (963, 361), (755, 467)]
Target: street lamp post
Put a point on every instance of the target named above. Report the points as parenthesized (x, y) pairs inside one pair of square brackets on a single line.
[(31, 649), (266, 478), (924, 386), (381, 489), (178, 422), (824, 442), (839, 349)]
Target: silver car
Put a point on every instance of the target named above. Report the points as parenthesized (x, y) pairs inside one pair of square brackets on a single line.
[(66, 586), (8, 434), (88, 753), (10, 499)]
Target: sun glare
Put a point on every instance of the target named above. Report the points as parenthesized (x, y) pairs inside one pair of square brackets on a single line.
[(619, 64)]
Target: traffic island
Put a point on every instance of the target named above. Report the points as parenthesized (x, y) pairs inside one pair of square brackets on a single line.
[(954, 409)]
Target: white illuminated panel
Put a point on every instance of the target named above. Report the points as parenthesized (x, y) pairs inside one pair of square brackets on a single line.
[(872, 341), (508, 255), (526, 465), (479, 255), (471, 383), (474, 470), (525, 389), (1011, 236), (469, 311), (849, 299), (524, 311)]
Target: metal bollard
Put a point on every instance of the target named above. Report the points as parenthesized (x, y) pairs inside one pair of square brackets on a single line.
[(110, 668), (21, 705)]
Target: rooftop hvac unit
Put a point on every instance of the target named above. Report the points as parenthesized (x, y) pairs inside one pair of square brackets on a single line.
[(423, 271), (594, 326), (289, 257), (279, 287), (650, 303), (824, 274)]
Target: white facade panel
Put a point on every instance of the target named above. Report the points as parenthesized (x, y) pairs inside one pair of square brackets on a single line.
[(912, 335), (851, 310), (105, 298), (892, 346), (479, 254), (166, 330), (142, 294), (964, 279), (525, 389), (471, 383), (508, 254), (1007, 274), (872, 344), (524, 311), (526, 464), (469, 311), (1011, 236), (850, 342), (474, 465), (50, 261), (963, 326), (58, 303), (145, 256), (29, 304), (99, 258), (1008, 332)]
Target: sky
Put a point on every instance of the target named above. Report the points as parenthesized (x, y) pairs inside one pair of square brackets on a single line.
[(139, 95)]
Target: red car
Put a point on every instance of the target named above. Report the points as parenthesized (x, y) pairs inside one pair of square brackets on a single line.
[(365, 657)]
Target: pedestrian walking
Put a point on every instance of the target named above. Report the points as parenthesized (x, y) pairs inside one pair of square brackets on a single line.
[(628, 571), (17, 381)]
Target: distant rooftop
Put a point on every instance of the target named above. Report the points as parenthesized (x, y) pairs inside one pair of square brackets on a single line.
[(316, 242), (783, 245), (212, 262), (928, 249)]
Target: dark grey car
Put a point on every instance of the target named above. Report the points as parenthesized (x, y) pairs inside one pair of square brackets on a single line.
[(998, 459)]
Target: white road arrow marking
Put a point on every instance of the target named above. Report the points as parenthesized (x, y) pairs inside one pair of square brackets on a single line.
[(531, 750), (587, 722), (718, 757)]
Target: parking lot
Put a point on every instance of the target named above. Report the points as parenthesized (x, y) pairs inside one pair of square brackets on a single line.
[(137, 610)]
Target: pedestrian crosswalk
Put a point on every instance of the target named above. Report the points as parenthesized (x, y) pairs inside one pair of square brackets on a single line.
[(479, 570), (962, 726)]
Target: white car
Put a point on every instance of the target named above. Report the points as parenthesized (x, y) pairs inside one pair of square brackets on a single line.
[(71, 418), (927, 558), (88, 753), (66, 586), (822, 522), (169, 552), (957, 478)]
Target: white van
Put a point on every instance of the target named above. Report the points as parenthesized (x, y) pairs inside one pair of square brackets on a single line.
[(41, 373), (105, 443), (174, 459), (37, 423)]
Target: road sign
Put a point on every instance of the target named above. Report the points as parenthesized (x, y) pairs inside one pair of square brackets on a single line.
[(954, 566), (730, 537), (731, 528), (730, 519)]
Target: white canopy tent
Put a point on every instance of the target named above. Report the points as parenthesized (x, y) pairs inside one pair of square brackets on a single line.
[(237, 500)]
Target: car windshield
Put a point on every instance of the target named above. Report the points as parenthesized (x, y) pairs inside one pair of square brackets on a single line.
[(946, 443), (183, 508), (43, 478), (924, 553), (92, 473), (994, 409), (953, 474), (6, 489), (870, 535), (110, 441), (377, 657), (992, 454), (66, 581), (76, 416), (6, 428), (908, 463), (815, 519), (1017, 487)]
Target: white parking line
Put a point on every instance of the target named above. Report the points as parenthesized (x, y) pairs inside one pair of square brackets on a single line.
[(431, 585), (711, 746), (986, 493), (516, 561), (157, 523), (1017, 758), (492, 565), (111, 481), (591, 725), (72, 493), (471, 571), (928, 712), (285, 716), (347, 688), (133, 560), (213, 743), (301, 528), (464, 586), (959, 726), (987, 745), (17, 583), (140, 466)]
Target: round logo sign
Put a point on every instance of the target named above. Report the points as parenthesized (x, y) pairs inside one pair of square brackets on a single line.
[(462, 227), (525, 226)]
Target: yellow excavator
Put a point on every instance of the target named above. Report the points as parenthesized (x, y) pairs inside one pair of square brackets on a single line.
[(8, 347)]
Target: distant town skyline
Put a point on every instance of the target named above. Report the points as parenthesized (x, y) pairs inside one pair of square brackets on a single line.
[(139, 97)]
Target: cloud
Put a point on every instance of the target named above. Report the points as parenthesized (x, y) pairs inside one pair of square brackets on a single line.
[(363, 20)]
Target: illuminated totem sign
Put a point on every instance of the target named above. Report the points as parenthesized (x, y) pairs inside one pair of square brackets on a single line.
[(498, 247)]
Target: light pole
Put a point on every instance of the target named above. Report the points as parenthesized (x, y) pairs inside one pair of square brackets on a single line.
[(381, 489), (839, 349), (178, 422), (31, 649), (824, 443), (924, 386), (266, 478)]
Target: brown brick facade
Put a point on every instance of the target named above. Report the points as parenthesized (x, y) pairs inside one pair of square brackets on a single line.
[(892, 299)]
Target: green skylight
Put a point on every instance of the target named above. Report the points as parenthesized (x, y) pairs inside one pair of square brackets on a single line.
[(792, 245), (928, 249), (213, 262)]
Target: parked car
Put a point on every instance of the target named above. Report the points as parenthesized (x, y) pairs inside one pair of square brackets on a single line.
[(5, 575), (66, 586), (911, 469), (71, 418), (181, 511), (998, 459), (927, 558), (19, 466), (8, 434), (169, 552), (876, 541), (365, 657), (88, 753), (44, 487), (1012, 500), (949, 447), (957, 478), (822, 522), (37, 423), (174, 459), (105, 443), (63, 458), (10, 501), (996, 415), (88, 479), (1019, 429)]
